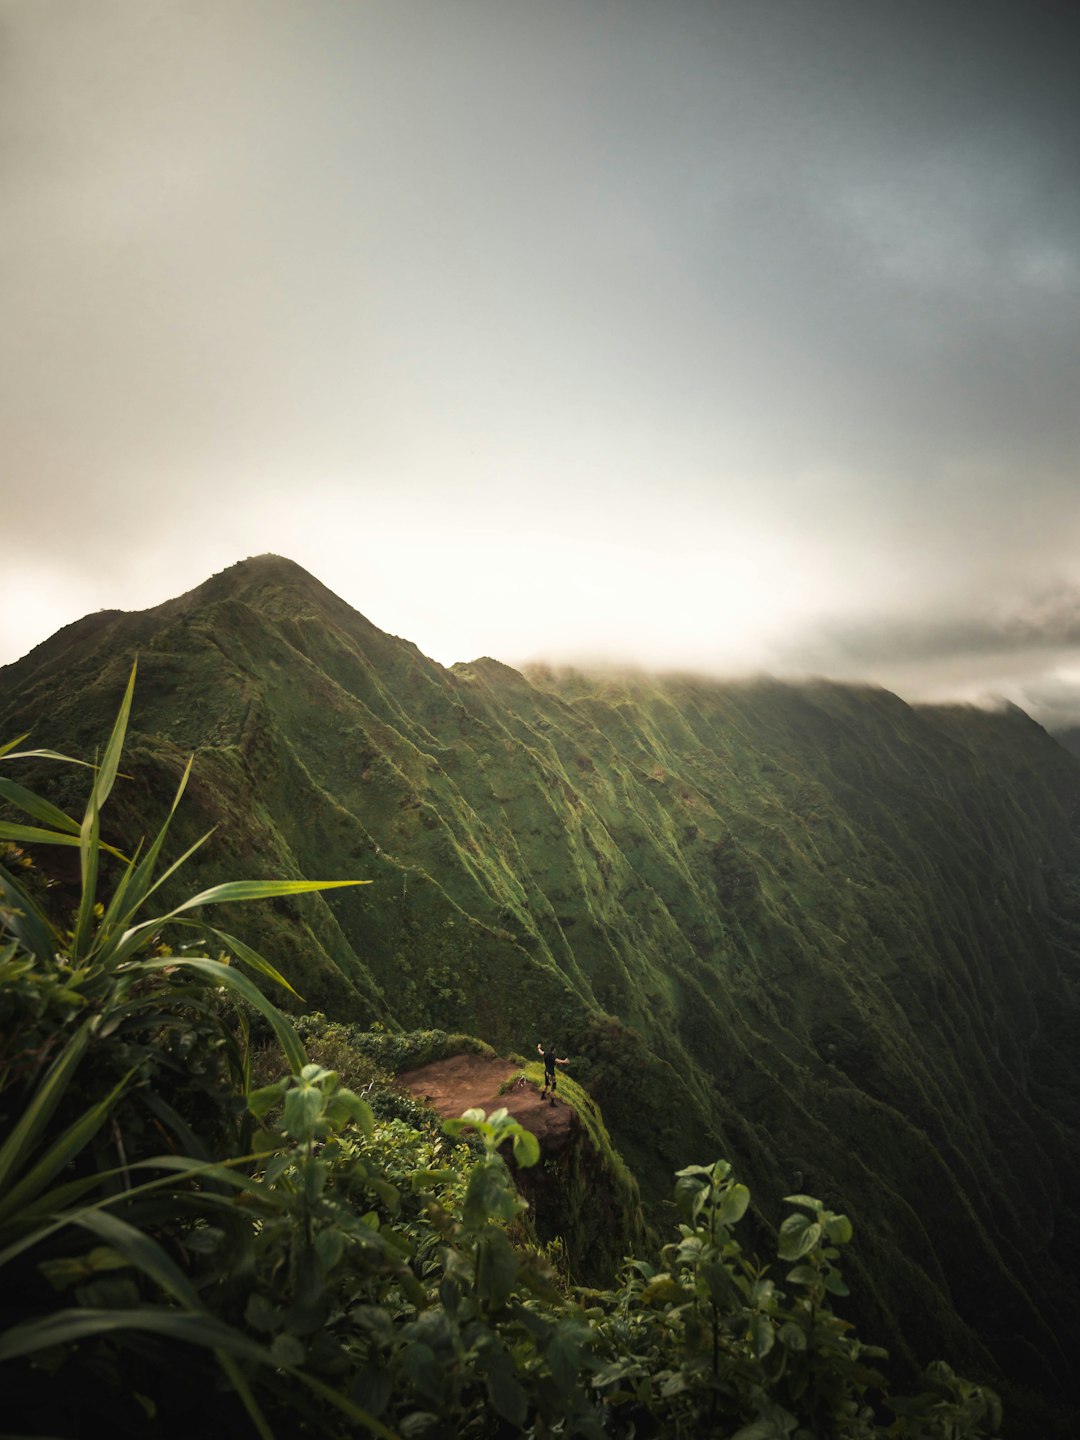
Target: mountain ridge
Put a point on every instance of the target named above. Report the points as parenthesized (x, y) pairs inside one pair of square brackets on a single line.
[(824, 932)]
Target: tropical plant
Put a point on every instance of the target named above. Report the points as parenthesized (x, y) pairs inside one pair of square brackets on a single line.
[(708, 1343), (105, 1023)]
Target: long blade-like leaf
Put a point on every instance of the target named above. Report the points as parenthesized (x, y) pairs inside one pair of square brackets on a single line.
[(25, 920), (89, 857), (7, 754), (38, 1113), (90, 830), (232, 892), (37, 806), (140, 885), (144, 1253), (238, 890), (64, 1148), (251, 957), (67, 1327), (110, 764), (4, 749), (288, 1039), (178, 863), (34, 835), (53, 1203), (345, 1405), (30, 835), (238, 1380)]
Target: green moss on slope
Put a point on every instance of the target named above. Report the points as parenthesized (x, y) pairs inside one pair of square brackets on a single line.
[(827, 934)]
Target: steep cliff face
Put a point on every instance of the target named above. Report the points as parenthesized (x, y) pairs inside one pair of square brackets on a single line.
[(817, 930), (580, 1193)]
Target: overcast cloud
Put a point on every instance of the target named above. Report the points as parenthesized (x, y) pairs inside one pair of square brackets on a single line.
[(727, 336)]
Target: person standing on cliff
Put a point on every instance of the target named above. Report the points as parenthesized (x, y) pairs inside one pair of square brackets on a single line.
[(550, 1061)]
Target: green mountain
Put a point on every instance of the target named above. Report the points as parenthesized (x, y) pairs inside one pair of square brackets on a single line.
[(828, 935)]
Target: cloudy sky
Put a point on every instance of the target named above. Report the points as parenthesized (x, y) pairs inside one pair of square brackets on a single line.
[(727, 336)]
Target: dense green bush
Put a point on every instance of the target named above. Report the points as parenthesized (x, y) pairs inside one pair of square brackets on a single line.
[(392, 1051)]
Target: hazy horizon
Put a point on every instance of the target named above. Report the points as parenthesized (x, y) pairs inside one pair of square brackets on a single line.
[(724, 337)]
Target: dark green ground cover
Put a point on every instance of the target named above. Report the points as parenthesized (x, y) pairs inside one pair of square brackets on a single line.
[(827, 934)]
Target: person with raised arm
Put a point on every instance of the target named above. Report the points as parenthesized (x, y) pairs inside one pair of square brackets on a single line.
[(550, 1061)]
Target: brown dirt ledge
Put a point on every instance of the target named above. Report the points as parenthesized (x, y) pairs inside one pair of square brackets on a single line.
[(469, 1082)]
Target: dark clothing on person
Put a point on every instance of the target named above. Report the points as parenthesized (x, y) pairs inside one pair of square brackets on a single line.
[(551, 1059)]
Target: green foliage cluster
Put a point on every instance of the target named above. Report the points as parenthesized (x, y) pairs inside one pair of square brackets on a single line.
[(391, 1051), (185, 1249)]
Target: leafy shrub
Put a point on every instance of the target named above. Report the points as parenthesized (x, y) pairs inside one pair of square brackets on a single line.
[(395, 1051)]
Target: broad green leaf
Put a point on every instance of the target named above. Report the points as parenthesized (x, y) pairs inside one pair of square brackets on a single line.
[(838, 1229), (663, 1289), (345, 1103), (287, 1350), (303, 1111), (496, 1267), (423, 1370), (526, 1147), (691, 1192), (803, 1275), (807, 1200), (489, 1195), (70, 1270), (262, 1101), (372, 1388), (759, 1430), (762, 1335), (798, 1235), (260, 1314), (834, 1283), (733, 1205), (507, 1397), (718, 1279), (329, 1247), (564, 1352)]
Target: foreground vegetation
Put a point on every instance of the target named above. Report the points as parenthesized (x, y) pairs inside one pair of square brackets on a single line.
[(187, 1245)]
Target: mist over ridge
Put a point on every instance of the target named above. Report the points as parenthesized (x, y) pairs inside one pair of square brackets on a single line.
[(811, 927)]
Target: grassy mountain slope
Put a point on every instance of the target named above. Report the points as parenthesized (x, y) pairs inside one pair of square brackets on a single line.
[(812, 928)]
